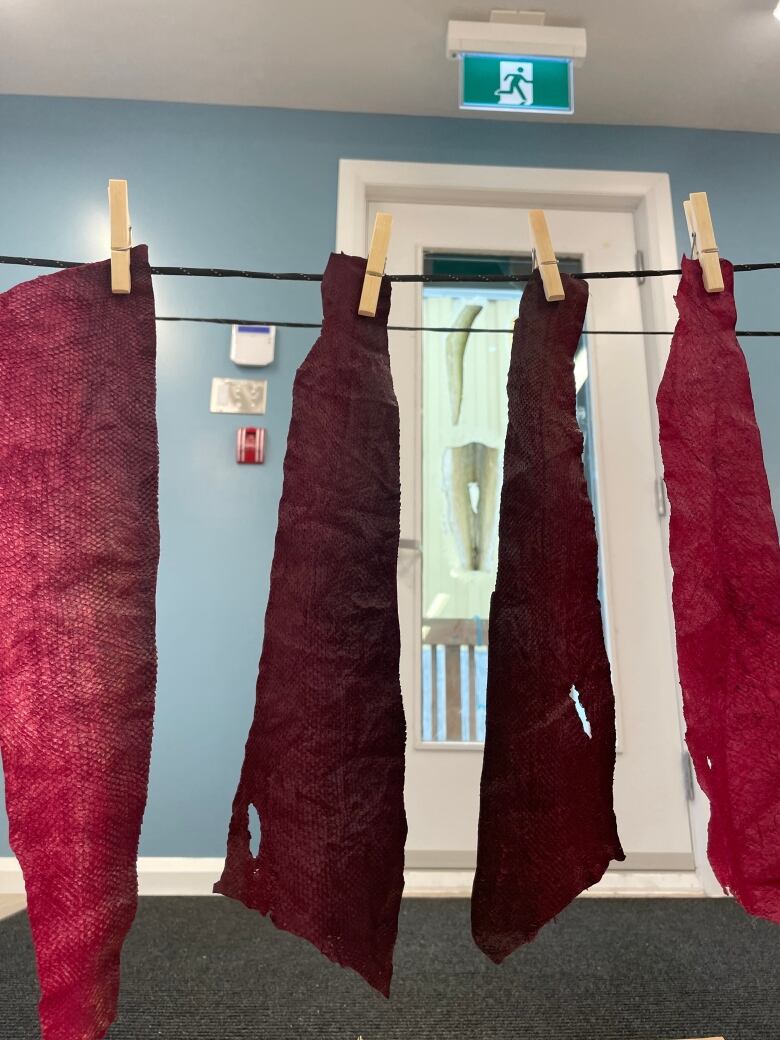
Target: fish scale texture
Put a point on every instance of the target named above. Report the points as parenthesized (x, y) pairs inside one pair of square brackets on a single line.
[(547, 828), (78, 564), (726, 590), (324, 762)]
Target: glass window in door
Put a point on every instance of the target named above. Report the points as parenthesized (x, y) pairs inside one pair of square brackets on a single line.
[(464, 419)]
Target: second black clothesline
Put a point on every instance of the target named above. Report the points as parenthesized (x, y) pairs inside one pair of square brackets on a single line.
[(436, 328)]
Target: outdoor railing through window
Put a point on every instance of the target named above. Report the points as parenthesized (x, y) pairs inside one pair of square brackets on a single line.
[(454, 679)]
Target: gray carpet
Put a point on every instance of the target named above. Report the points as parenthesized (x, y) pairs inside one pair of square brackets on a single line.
[(207, 969)]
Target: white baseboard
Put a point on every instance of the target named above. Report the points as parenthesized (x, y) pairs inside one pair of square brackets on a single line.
[(11, 883), (174, 876), (157, 875), (615, 884)]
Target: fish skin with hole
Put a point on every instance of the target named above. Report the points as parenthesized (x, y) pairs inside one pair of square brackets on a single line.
[(547, 827), (324, 762)]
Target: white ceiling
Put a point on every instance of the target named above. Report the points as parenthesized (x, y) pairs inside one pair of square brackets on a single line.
[(695, 63)]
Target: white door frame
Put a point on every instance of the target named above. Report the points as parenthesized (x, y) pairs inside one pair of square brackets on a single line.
[(648, 197)]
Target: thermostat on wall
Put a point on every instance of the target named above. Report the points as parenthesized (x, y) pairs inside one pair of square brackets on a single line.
[(252, 344)]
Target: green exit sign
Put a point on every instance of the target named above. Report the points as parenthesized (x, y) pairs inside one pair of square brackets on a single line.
[(505, 84)]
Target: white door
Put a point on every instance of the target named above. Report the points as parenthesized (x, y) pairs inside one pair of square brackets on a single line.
[(451, 445)]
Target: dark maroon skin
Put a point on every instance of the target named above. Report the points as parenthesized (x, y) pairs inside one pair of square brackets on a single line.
[(547, 828), (324, 764), (726, 591), (79, 546)]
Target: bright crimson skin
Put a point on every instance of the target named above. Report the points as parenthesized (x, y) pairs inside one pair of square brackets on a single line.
[(726, 593), (79, 546)]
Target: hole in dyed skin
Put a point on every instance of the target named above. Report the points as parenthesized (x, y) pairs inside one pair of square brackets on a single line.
[(575, 696), (254, 831)]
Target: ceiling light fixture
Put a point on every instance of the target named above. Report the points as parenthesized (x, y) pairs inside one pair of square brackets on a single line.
[(777, 12)]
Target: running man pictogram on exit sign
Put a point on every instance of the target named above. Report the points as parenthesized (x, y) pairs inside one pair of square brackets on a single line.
[(498, 83)]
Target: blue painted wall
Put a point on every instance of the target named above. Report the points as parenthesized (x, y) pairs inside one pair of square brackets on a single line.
[(243, 187)]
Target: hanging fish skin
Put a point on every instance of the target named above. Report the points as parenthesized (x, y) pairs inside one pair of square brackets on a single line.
[(474, 531), (455, 347), (324, 762), (547, 827), (79, 546), (725, 556)]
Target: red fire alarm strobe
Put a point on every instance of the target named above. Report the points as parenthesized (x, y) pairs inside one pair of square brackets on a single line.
[(250, 444)]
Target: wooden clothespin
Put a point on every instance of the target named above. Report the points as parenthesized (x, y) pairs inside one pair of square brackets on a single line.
[(544, 256), (703, 245), (119, 217), (375, 266)]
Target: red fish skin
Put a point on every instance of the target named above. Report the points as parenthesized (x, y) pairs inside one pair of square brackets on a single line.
[(324, 762), (547, 828), (725, 557), (79, 546)]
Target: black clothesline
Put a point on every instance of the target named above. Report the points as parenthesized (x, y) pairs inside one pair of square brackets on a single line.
[(299, 276)]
